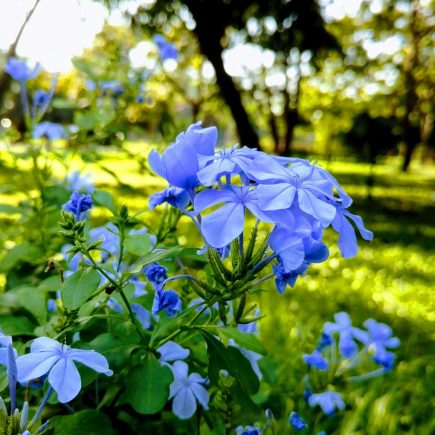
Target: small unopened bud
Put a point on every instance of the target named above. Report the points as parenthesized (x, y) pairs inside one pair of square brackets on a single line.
[(24, 419)]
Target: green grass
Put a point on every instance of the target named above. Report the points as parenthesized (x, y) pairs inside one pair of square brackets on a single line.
[(390, 280)]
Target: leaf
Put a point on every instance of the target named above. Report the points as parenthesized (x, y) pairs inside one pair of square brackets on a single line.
[(157, 255), (78, 287), (147, 386), (104, 199), (33, 300), (89, 421), (229, 359), (16, 325), (19, 253), (138, 244), (116, 349), (244, 339)]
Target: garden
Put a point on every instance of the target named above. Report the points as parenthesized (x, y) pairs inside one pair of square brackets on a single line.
[(221, 226)]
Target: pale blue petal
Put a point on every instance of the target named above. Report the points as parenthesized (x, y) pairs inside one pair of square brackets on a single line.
[(184, 404), (265, 167), (211, 197), (201, 394), (347, 242), (222, 226), (365, 234), (45, 344), (34, 365), (91, 359), (180, 370), (315, 207), (156, 163), (172, 351), (277, 196), (65, 379), (210, 173)]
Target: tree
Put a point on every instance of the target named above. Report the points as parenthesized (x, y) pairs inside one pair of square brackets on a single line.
[(298, 24)]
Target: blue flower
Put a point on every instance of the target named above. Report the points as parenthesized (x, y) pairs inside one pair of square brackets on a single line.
[(229, 218), (325, 341), (51, 130), (172, 351), (292, 184), (156, 274), (229, 162), (18, 70), (166, 49), (379, 338), (186, 390), (139, 286), (347, 242), (80, 183), (179, 162), (296, 421), (283, 278), (316, 360), (113, 87), (348, 333), (56, 359), (167, 300), (108, 235), (40, 98), (329, 401), (174, 196), (78, 204)]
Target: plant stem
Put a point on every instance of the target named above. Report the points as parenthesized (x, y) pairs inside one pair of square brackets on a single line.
[(41, 407)]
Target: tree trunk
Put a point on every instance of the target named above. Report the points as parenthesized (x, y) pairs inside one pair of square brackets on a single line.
[(209, 29), (411, 132)]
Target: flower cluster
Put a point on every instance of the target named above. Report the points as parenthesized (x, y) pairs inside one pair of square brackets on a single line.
[(356, 347), (218, 188)]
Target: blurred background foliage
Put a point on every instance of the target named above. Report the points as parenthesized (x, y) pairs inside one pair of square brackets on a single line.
[(355, 93)]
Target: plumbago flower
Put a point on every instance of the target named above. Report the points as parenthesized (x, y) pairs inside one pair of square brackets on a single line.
[(187, 390), (166, 49), (351, 356), (78, 205), (49, 356), (298, 200), (50, 130), (329, 401), (20, 71)]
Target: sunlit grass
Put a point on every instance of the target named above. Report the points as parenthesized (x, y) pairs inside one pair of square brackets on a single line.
[(391, 279)]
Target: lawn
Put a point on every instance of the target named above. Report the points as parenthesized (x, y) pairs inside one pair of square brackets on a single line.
[(391, 280)]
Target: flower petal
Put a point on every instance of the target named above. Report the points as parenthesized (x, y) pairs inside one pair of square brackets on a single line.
[(184, 404), (34, 365), (65, 379), (91, 359), (223, 225)]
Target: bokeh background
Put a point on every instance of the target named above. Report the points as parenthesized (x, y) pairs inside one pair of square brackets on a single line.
[(347, 83)]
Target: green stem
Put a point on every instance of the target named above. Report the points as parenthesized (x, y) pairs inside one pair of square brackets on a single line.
[(118, 287), (121, 245)]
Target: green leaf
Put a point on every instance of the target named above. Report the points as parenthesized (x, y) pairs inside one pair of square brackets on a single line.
[(246, 340), (78, 287), (88, 421), (104, 199), (16, 325), (19, 253), (138, 244), (33, 300), (157, 255), (147, 386), (230, 359), (116, 349)]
